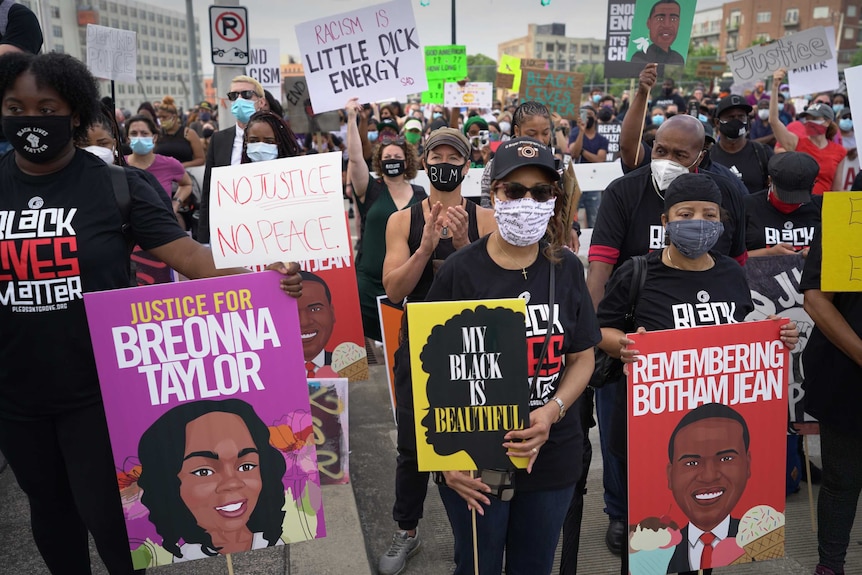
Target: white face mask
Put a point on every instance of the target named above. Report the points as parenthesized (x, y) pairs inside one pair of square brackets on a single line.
[(104, 154), (763, 114), (524, 221), (666, 171)]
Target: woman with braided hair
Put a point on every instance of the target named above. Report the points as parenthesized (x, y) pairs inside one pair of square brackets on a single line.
[(268, 137)]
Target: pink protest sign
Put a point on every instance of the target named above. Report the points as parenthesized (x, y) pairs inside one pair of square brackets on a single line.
[(207, 405)]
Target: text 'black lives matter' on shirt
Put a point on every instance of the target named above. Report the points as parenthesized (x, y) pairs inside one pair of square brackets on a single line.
[(629, 220), (61, 236), (471, 274), (766, 226)]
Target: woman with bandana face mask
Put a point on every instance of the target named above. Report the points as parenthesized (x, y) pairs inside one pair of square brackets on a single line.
[(820, 128), (51, 411), (176, 139), (684, 272)]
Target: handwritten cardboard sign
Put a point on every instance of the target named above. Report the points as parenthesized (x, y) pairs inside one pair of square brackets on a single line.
[(814, 78), (369, 53), (559, 91), (264, 64), (470, 95), (281, 210), (842, 242), (112, 53), (446, 62), (300, 112), (800, 49)]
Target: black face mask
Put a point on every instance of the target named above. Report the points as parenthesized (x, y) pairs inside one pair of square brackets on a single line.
[(605, 115), (667, 91), (733, 129), (39, 139), (445, 177), (207, 132), (590, 123), (394, 168)]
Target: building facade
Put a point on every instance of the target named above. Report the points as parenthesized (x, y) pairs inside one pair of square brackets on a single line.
[(163, 60), (706, 28), (549, 42)]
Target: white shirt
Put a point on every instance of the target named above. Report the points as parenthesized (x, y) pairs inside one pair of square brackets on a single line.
[(695, 545), (192, 551), (319, 360), (236, 151)]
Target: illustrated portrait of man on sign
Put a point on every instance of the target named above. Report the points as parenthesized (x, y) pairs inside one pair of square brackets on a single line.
[(663, 24), (316, 321)]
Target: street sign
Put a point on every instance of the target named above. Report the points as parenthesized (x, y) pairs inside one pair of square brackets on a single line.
[(229, 35)]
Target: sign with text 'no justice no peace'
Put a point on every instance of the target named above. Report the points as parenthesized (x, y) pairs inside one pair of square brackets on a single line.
[(369, 53)]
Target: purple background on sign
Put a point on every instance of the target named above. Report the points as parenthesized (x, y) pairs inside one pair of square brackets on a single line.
[(126, 394)]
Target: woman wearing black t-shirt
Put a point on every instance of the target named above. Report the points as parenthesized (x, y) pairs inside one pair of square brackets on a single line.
[(52, 422), (679, 277), (515, 262)]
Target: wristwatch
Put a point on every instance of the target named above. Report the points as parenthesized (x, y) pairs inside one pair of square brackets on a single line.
[(562, 408)]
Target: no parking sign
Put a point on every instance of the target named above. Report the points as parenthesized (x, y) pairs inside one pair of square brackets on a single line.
[(229, 35)]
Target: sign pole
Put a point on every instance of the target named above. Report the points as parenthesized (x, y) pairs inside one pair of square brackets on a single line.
[(223, 75), (229, 564), (473, 517), (808, 475)]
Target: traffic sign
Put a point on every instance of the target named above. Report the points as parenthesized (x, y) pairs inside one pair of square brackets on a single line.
[(229, 35)]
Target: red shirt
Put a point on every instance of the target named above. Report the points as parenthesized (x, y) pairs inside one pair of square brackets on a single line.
[(828, 158)]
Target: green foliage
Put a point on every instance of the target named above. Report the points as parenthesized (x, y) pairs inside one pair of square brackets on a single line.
[(481, 68)]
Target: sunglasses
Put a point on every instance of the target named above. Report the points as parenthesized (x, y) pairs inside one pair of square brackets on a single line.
[(244, 94), (399, 141), (516, 191)]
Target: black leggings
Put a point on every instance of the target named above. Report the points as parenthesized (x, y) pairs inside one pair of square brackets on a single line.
[(64, 465)]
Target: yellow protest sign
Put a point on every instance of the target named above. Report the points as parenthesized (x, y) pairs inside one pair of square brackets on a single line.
[(511, 66), (842, 242)]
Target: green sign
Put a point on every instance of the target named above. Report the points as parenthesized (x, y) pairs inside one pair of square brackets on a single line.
[(434, 93), (446, 62)]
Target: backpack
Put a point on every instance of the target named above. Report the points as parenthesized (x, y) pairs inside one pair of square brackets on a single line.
[(124, 204), (760, 153)]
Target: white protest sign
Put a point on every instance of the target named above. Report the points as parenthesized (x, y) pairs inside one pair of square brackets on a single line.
[(369, 53), (264, 64), (471, 95), (281, 210), (112, 54), (821, 77), (794, 51)]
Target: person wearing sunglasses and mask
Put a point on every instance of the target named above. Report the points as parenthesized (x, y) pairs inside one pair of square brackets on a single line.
[(225, 148), (515, 261), (177, 140), (820, 128), (395, 163)]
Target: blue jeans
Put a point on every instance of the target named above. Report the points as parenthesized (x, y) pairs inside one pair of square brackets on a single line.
[(527, 528), (839, 494), (590, 202), (614, 470)]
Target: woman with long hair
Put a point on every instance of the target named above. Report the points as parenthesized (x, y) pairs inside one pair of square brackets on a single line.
[(268, 137)]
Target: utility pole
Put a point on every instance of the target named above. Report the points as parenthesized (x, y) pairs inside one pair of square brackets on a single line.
[(194, 65)]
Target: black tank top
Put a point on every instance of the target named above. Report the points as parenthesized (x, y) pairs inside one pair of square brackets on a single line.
[(175, 146), (444, 248)]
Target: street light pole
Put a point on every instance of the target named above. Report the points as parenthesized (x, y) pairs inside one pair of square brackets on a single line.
[(453, 23), (193, 54)]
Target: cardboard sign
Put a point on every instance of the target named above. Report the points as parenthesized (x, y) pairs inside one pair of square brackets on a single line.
[(660, 32), (509, 70), (803, 48), (470, 95), (842, 242), (300, 112), (329, 417), (185, 370), (369, 53), (390, 326), (559, 91), (446, 62), (612, 132), (281, 210), (814, 78), (707, 422), (774, 283), (264, 65), (469, 365), (620, 16), (505, 81), (710, 68), (112, 54)]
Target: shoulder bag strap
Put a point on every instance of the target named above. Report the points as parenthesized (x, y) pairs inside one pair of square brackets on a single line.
[(638, 280), (550, 326)]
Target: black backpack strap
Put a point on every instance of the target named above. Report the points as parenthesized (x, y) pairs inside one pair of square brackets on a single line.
[(639, 264), (124, 204), (762, 160)]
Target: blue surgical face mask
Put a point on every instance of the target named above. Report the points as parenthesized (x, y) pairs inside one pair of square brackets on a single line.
[(846, 124), (261, 151), (786, 94), (837, 108), (702, 118), (142, 146), (597, 98), (436, 115), (372, 136), (780, 106), (657, 120), (242, 110)]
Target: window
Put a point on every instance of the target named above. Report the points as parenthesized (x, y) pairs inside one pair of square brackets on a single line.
[(820, 12), (149, 89), (182, 23), (103, 4), (153, 31), (134, 26), (596, 49), (58, 31), (133, 12), (152, 17), (585, 49), (55, 12), (162, 47), (112, 8), (170, 35), (848, 33), (170, 48), (124, 10), (171, 62), (59, 48), (764, 17), (146, 60), (851, 10), (160, 19), (792, 16), (103, 20), (549, 46), (161, 32), (145, 44), (185, 51), (164, 62)]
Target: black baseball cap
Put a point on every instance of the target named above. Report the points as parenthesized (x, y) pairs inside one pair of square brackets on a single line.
[(732, 101), (793, 175), (388, 123), (519, 152)]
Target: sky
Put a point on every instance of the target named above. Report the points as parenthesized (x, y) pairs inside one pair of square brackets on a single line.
[(508, 19)]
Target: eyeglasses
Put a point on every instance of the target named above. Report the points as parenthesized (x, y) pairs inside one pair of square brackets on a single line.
[(398, 141), (516, 191), (244, 94)]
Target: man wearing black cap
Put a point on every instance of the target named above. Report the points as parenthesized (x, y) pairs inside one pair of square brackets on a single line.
[(781, 219), (746, 159), (387, 128)]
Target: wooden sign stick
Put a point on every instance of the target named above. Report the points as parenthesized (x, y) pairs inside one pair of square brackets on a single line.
[(475, 537), (810, 492), (229, 564)]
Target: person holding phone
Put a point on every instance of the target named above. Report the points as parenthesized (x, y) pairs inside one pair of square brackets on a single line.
[(476, 130)]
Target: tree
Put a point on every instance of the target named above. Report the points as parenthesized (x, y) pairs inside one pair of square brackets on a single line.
[(857, 59), (481, 68)]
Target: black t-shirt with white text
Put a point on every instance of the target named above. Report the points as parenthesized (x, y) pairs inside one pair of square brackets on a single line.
[(745, 164), (61, 236), (765, 226), (471, 274)]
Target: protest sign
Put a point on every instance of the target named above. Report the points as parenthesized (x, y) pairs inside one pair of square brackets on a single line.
[(509, 70), (842, 242), (446, 62), (853, 79), (328, 398), (620, 16), (470, 95), (300, 112), (800, 49), (468, 360), (264, 64), (612, 132), (112, 53), (710, 68), (333, 344), (390, 326), (660, 32), (369, 53), (820, 77), (207, 374), (559, 91), (707, 401), (281, 210), (774, 284), (434, 93)]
